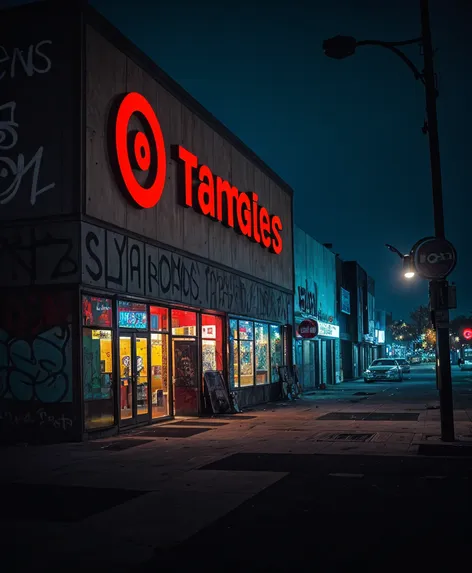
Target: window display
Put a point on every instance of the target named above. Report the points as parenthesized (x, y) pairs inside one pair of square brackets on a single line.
[(255, 352), (142, 375), (276, 359), (159, 375), (98, 377), (184, 323), (212, 342), (233, 362), (126, 373), (262, 352), (97, 311), (132, 315), (159, 318)]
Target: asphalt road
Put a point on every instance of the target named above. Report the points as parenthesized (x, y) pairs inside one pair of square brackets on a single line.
[(344, 512), (420, 386)]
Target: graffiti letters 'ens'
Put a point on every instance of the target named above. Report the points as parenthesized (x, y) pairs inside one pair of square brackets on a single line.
[(16, 169)]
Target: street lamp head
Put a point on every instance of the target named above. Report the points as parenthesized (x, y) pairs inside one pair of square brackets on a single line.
[(339, 47), (408, 268)]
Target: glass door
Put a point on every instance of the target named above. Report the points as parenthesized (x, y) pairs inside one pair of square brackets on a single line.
[(134, 377), (185, 369)]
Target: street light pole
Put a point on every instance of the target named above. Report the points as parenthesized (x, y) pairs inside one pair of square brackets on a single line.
[(341, 47), (437, 289)]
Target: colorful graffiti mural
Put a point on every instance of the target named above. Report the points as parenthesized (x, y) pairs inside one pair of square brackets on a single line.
[(36, 348)]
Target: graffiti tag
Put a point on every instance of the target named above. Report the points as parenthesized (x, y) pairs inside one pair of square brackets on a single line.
[(13, 170), (36, 369)]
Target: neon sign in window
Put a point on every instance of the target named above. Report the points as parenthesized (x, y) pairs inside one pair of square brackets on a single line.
[(132, 315)]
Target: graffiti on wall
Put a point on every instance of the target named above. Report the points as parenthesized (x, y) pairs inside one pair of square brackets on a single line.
[(36, 348), (14, 166), (17, 62), (121, 263), (40, 255), (20, 171)]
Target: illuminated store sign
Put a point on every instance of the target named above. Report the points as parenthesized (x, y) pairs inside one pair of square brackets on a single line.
[(140, 160), (326, 329)]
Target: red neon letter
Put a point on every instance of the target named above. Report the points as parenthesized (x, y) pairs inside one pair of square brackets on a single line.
[(264, 223), (244, 214), (276, 224), (227, 195), (191, 162), (255, 218), (206, 192)]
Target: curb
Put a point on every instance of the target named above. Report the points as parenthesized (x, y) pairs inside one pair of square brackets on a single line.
[(446, 450)]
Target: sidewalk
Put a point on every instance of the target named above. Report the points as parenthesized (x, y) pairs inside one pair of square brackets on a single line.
[(144, 489)]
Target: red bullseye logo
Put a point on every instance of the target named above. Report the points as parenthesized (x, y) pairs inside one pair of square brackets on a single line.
[(140, 155)]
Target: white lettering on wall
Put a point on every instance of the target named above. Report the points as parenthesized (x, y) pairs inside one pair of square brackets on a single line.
[(13, 170), (31, 61)]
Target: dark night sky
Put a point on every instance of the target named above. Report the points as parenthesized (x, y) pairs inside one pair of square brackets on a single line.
[(346, 135)]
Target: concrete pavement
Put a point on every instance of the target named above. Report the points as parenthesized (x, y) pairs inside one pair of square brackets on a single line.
[(146, 491)]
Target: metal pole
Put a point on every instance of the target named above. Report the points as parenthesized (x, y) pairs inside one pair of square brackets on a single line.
[(438, 289)]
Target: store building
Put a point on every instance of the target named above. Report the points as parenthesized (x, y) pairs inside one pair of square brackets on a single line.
[(317, 356), (343, 309), (142, 243), (358, 347), (380, 332)]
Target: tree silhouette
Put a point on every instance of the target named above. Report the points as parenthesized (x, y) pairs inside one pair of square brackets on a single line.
[(421, 319)]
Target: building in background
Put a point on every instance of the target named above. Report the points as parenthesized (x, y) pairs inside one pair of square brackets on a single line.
[(146, 245), (317, 358), (380, 332), (344, 320), (358, 347)]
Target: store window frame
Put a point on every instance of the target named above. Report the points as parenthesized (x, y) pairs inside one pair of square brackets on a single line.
[(91, 327), (118, 330), (232, 379), (167, 333), (133, 332)]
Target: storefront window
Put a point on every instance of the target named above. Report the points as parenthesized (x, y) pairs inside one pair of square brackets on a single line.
[(246, 362), (97, 311), (246, 330), (261, 332), (132, 315), (212, 342), (184, 323), (97, 378), (159, 318), (233, 364), (275, 352), (159, 375)]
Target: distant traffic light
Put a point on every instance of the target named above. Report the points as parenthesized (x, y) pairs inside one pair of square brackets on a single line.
[(467, 333)]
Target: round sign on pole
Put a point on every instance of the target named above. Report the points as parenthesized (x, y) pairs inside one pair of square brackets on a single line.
[(434, 258), (308, 328)]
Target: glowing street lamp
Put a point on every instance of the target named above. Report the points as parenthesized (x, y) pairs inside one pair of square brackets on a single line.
[(408, 266), (341, 47)]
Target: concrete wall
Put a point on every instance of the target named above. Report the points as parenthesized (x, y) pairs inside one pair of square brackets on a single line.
[(109, 73), (38, 114), (315, 271)]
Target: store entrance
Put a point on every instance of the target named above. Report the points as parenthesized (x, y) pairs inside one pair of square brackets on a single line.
[(185, 369), (134, 378)]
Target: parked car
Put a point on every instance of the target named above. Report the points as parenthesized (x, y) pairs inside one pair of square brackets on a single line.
[(465, 365), (415, 359), (383, 369), (404, 365)]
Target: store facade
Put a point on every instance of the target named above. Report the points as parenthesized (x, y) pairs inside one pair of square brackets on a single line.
[(317, 357), (359, 345), (159, 246)]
